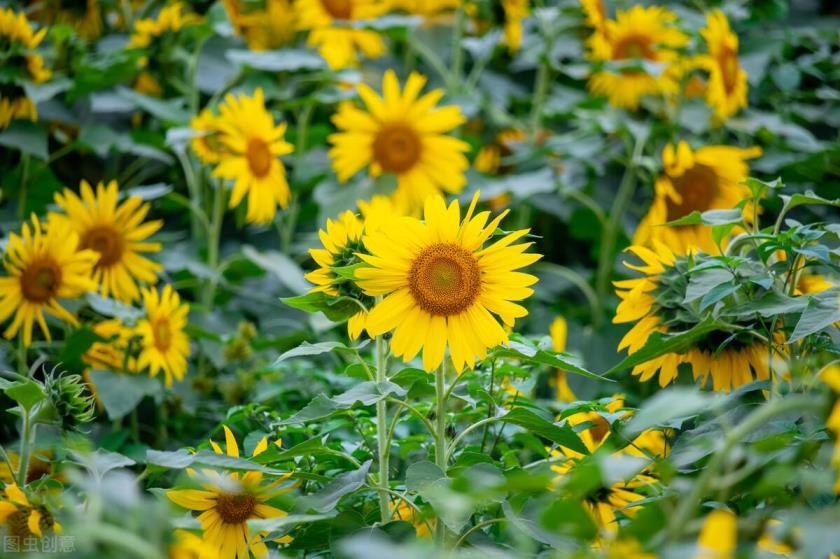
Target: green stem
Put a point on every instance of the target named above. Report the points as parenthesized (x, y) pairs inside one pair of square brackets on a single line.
[(469, 429), (610, 236), (23, 367), (478, 526), (382, 430), (27, 431), (194, 187), (213, 244), (24, 183), (440, 438), (457, 60), (540, 94)]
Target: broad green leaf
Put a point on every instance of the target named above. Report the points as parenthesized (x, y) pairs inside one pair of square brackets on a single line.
[(563, 435), (368, 393), (709, 217), (520, 348), (769, 305), (808, 198), (669, 404), (702, 282), (821, 312), (169, 110), (328, 497), (421, 474), (284, 268), (27, 393), (337, 309), (121, 392), (286, 60), (27, 137), (307, 350), (759, 187)]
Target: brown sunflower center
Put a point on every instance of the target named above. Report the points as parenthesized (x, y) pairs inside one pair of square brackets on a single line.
[(235, 509), (259, 157), (105, 240), (162, 332), (728, 62), (444, 279), (396, 148), (634, 46), (41, 280), (339, 9), (698, 188)]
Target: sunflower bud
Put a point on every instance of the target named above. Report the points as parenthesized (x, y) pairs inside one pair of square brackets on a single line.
[(69, 403)]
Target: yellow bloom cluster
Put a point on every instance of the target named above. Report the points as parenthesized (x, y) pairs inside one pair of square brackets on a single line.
[(19, 38)]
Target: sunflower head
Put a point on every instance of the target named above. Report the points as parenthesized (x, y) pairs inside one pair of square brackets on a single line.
[(25, 516), (170, 20), (328, 23), (164, 344), (270, 26), (726, 92), (85, 16)]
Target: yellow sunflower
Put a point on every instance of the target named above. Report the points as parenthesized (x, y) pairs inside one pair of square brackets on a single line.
[(708, 178), (164, 344), (253, 145), (171, 19), (442, 285), (425, 8), (43, 266), (726, 91), (403, 135), (116, 232), (22, 518), (40, 465), (640, 34), (595, 13), (270, 26), (405, 512), (190, 546), (206, 143), (114, 353), (331, 31), (85, 16), (830, 375), (739, 361), (718, 537), (604, 503), (515, 11), (16, 32), (228, 501), (558, 330)]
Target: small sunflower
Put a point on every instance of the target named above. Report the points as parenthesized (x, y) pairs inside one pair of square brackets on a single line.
[(558, 331), (331, 30), (164, 344), (638, 35), (654, 302), (253, 145), (22, 518), (515, 11), (402, 135), (708, 178), (405, 512), (270, 26), (114, 353), (116, 232), (229, 501), (442, 285), (726, 91), (21, 64), (718, 536), (43, 266), (84, 16), (206, 143), (171, 19), (595, 13)]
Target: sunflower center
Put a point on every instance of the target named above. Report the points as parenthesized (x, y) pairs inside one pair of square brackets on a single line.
[(107, 242), (339, 9), (235, 509), (728, 62), (40, 281), (18, 525), (698, 188), (634, 46), (259, 157), (396, 148), (599, 495), (444, 279), (162, 332)]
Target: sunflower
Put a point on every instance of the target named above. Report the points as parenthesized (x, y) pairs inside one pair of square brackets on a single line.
[(425, 8), (229, 501), (654, 302), (718, 536), (190, 546), (40, 465), (604, 502), (171, 19), (331, 30), (515, 11), (490, 158), (558, 330), (114, 353), (20, 64), (253, 145), (402, 135), (595, 13), (206, 143), (638, 35), (44, 265), (269, 27), (405, 512), (23, 519), (707, 178), (726, 92), (85, 16), (164, 345), (441, 283), (116, 232), (830, 375)]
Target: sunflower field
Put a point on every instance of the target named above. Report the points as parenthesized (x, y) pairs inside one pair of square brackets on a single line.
[(369, 279)]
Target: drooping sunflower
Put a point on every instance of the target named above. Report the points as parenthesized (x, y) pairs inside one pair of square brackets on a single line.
[(270, 26), (726, 92), (442, 286), (116, 232), (558, 330), (229, 500), (23, 518), (638, 35), (84, 16), (330, 27), (515, 11), (707, 178), (164, 344), (171, 19), (606, 502), (206, 143), (403, 135), (21, 64), (253, 145), (43, 266), (654, 302)]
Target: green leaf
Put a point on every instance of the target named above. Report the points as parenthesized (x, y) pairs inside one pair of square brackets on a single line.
[(760, 188), (284, 268), (710, 217), (170, 110), (182, 458), (27, 393), (307, 350), (26, 137), (366, 393), (346, 483), (821, 312), (719, 292), (420, 475), (562, 435), (660, 344), (276, 525), (669, 404), (113, 308), (337, 309), (771, 304), (808, 198), (286, 60), (120, 392), (409, 376), (309, 447), (702, 282), (522, 349)]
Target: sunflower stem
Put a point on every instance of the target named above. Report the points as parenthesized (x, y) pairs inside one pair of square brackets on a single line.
[(382, 439), (25, 443), (213, 239), (440, 438), (23, 368), (457, 60), (540, 93)]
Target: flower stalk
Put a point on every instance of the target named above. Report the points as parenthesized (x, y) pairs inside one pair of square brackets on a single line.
[(382, 439), (440, 438)]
